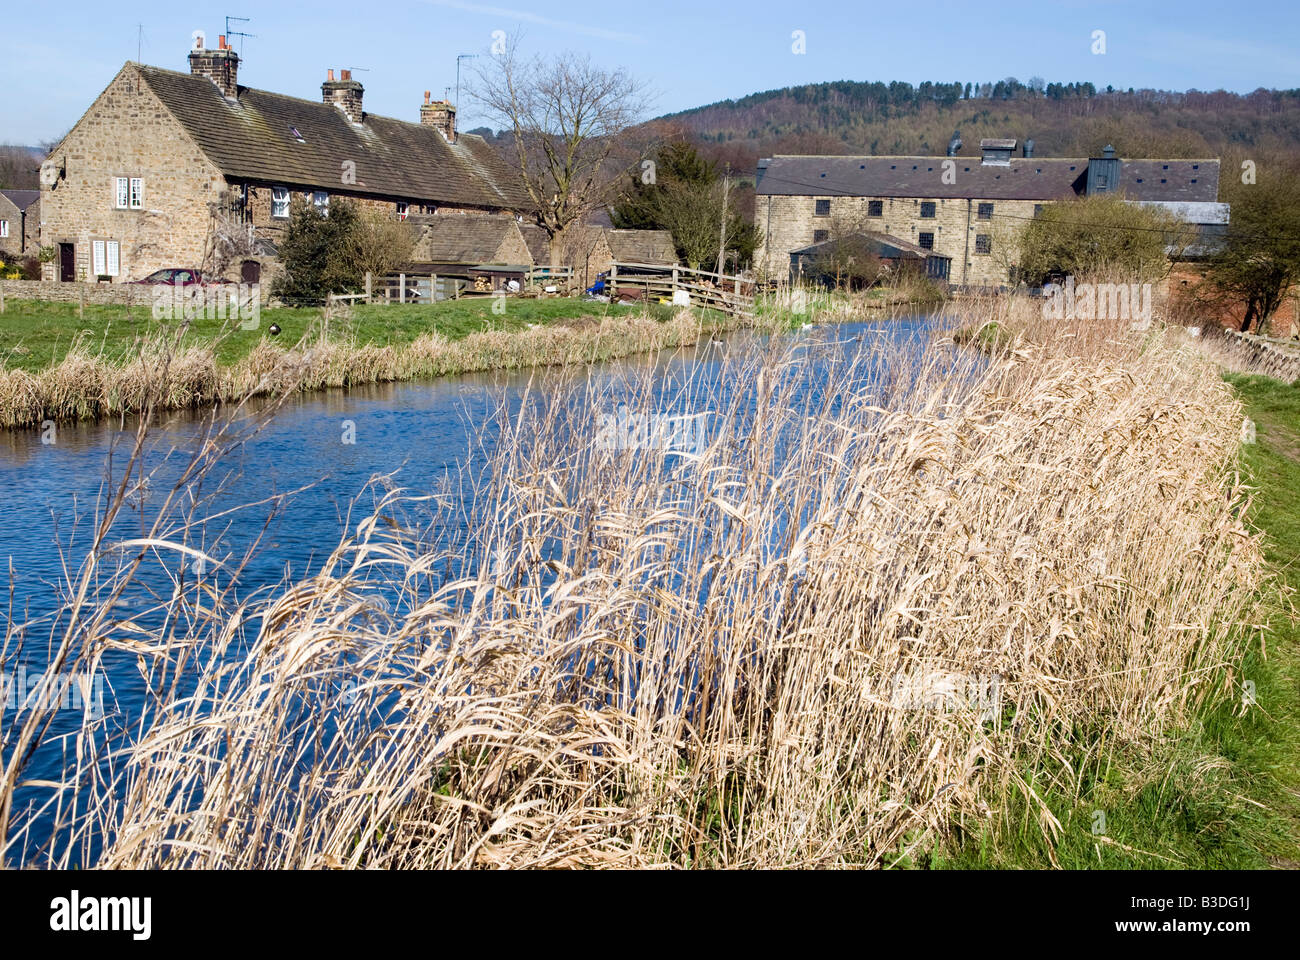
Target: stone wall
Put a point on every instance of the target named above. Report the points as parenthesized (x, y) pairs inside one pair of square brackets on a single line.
[(788, 223), (128, 133), (122, 293), (1263, 355)]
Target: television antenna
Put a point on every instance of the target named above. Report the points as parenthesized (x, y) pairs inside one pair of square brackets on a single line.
[(459, 58), (238, 33)]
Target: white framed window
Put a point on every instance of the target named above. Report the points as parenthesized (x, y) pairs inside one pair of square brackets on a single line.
[(105, 258), (4, 229), (403, 211), (137, 193), (321, 201), (280, 203), (121, 192)]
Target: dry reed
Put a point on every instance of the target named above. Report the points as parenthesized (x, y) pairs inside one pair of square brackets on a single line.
[(885, 600)]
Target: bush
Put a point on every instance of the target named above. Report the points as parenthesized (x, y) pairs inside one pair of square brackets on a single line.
[(1099, 236), (315, 253)]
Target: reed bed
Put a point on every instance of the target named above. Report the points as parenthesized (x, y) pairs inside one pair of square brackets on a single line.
[(881, 602), (86, 386)]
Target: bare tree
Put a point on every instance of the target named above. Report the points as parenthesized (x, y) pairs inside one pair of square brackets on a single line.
[(230, 238), (566, 117), (380, 243)]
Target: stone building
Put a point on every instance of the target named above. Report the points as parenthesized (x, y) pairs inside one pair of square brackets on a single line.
[(459, 240), (20, 222), (592, 249), (164, 163), (971, 209)]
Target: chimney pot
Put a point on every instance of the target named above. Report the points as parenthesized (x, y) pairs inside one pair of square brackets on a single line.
[(221, 66), (441, 115), (345, 93), (329, 75)]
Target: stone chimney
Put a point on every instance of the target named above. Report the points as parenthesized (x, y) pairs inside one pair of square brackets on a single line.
[(221, 66), (441, 115), (345, 93)]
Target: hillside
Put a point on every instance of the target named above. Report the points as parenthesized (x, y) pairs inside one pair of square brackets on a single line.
[(846, 117)]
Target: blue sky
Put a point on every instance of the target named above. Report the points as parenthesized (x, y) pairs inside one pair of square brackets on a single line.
[(54, 58)]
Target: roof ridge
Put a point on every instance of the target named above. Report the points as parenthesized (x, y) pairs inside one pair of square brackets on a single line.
[(290, 96)]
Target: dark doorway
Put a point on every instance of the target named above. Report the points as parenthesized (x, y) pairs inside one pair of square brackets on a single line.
[(250, 272), (67, 262)]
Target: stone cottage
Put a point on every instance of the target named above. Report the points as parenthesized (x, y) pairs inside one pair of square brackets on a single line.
[(970, 209), (20, 222), (166, 164)]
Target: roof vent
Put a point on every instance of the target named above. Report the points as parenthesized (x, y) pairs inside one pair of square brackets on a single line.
[(997, 152)]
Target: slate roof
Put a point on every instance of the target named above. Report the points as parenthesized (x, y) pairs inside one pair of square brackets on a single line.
[(462, 238), (883, 243), (642, 246), (539, 244), (254, 139), (1033, 178), (22, 199)]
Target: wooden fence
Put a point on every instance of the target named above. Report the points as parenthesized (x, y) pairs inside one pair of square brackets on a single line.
[(405, 288), (715, 291), (545, 275)]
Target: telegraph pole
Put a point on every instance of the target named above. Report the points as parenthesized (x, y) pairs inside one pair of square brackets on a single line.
[(722, 239)]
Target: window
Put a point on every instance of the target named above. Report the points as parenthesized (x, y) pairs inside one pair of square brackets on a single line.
[(983, 243), (823, 208), (927, 210), (985, 211), (926, 240), (321, 201), (402, 211), (105, 257), (1038, 208), (875, 208), (128, 193), (280, 203), (820, 235), (4, 229)]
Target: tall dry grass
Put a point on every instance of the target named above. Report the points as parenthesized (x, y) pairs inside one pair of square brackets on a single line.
[(757, 656)]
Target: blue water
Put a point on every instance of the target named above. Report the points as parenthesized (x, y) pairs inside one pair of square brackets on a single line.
[(303, 480)]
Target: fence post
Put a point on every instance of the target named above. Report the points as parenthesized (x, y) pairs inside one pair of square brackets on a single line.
[(369, 285), (433, 288), (2, 299), (401, 288), (81, 301), (674, 278), (613, 281)]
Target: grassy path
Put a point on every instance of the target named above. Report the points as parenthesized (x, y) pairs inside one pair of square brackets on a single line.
[(35, 335), (1224, 794)]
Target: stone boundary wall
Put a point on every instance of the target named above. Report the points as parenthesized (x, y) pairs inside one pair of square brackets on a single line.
[(102, 293), (1273, 358), (54, 291)]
